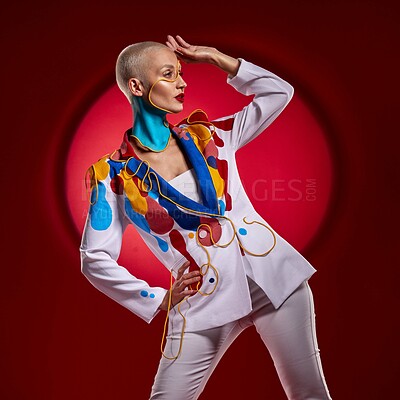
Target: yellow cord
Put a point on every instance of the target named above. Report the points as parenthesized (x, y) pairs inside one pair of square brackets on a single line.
[(166, 322), (155, 151), (212, 131), (273, 235)]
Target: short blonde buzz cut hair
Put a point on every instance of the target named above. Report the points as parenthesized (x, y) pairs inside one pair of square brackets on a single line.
[(132, 62)]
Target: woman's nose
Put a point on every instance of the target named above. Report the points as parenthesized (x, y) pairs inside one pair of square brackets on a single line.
[(181, 83)]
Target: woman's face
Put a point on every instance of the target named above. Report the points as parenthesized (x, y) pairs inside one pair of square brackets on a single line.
[(166, 86)]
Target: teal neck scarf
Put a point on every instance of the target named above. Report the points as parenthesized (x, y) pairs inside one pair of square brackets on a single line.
[(150, 125)]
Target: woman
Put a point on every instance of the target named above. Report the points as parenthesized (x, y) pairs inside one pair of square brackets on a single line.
[(231, 269)]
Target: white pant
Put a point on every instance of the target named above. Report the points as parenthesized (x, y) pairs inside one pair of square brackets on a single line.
[(288, 332)]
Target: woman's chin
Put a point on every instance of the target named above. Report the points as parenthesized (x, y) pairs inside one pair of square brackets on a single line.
[(177, 110)]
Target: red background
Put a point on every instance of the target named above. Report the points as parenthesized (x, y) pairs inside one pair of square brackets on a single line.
[(61, 338)]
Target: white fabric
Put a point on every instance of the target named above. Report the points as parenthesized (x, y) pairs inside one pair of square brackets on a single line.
[(288, 333), (186, 183)]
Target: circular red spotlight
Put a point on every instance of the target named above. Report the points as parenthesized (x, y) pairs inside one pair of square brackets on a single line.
[(287, 171)]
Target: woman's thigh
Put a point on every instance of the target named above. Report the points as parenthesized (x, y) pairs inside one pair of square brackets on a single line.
[(185, 377), (290, 336)]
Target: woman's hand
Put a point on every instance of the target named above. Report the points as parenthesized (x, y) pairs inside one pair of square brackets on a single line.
[(202, 54), (179, 288), (189, 53)]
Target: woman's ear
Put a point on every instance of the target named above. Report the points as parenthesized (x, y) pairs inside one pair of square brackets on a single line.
[(135, 87)]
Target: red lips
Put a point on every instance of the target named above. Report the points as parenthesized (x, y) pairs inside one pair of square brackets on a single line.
[(180, 97)]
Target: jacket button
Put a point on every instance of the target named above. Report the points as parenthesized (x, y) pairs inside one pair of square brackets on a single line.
[(202, 234)]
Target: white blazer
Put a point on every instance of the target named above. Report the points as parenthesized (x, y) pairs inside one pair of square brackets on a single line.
[(215, 235)]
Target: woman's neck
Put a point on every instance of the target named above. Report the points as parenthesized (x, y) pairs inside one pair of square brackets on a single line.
[(150, 126)]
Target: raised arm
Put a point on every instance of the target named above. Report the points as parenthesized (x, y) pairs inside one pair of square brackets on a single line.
[(272, 93)]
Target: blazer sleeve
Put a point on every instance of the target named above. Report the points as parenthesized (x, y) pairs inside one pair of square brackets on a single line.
[(100, 248), (271, 96)]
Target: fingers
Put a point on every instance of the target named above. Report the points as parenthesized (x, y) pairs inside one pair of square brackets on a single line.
[(182, 269), (189, 280), (180, 293), (182, 42), (170, 46), (184, 294), (181, 49), (181, 287), (172, 43)]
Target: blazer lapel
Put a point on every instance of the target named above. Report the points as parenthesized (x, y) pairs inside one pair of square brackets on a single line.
[(207, 189)]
